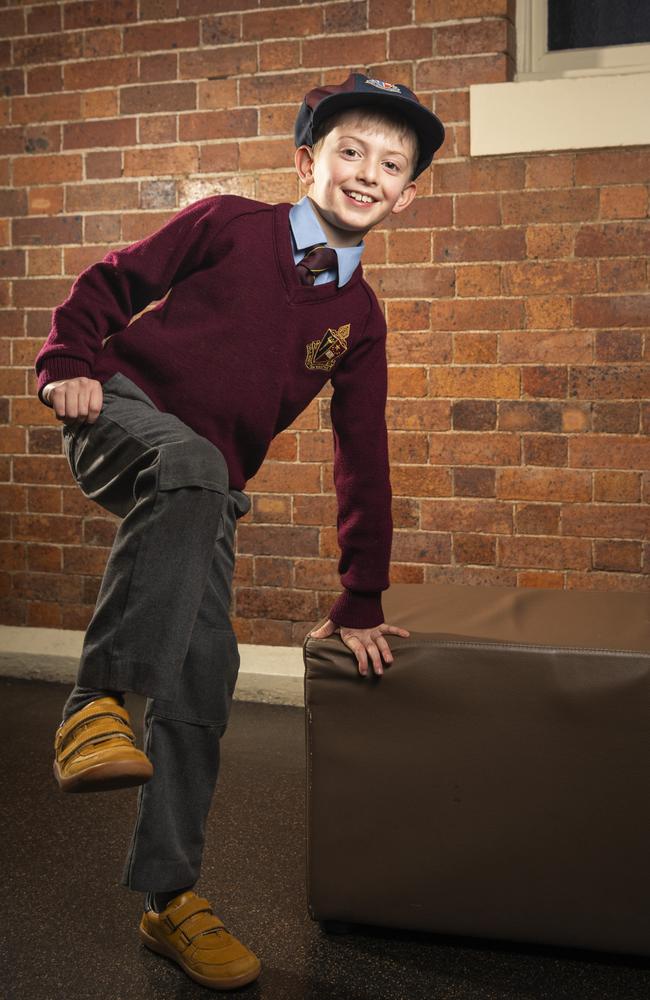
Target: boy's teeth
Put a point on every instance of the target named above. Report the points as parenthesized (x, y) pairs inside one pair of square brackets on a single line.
[(359, 197)]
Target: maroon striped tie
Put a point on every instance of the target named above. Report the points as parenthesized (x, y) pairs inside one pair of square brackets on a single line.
[(320, 258)]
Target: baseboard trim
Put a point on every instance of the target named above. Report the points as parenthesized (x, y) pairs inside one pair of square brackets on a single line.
[(269, 674)]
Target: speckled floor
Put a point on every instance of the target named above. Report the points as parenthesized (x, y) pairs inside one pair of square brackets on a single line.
[(69, 930)]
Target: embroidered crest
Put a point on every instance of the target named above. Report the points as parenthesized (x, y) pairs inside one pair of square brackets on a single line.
[(323, 353), (385, 86)]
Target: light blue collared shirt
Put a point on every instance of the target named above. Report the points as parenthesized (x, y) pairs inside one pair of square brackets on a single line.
[(306, 231)]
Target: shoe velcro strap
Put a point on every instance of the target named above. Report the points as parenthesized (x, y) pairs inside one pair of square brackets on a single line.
[(118, 717), (179, 914), (198, 924), (94, 735)]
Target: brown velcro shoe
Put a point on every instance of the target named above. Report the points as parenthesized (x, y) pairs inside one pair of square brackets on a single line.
[(188, 932), (94, 750)]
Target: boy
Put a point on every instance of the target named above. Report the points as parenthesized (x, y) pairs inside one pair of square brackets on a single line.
[(166, 419)]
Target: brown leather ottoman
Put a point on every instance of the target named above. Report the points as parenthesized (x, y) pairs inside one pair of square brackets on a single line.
[(495, 781)]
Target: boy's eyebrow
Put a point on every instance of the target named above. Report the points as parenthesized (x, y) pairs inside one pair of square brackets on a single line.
[(390, 152)]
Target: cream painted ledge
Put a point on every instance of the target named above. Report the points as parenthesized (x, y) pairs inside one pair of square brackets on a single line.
[(270, 674), (587, 112)]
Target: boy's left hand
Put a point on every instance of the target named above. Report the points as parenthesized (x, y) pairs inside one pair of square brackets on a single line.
[(363, 641)]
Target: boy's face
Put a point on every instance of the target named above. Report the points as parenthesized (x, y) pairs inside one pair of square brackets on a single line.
[(372, 163)]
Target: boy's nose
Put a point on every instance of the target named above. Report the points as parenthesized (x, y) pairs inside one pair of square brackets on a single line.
[(367, 172)]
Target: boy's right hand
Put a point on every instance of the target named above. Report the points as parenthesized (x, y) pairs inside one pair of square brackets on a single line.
[(75, 401)]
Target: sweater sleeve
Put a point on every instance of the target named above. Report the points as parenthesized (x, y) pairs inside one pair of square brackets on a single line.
[(362, 478), (105, 297)]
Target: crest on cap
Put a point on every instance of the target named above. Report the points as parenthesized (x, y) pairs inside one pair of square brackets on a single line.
[(385, 86)]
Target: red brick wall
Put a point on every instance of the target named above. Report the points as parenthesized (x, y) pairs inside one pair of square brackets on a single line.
[(516, 292)]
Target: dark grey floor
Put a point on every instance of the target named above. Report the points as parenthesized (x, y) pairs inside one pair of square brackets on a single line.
[(69, 930)]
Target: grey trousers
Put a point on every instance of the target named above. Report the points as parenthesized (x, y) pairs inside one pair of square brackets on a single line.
[(161, 625)]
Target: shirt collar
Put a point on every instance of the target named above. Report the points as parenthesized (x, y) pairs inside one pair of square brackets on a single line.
[(307, 231)]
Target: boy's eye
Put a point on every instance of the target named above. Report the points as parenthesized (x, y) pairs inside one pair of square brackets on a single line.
[(389, 163), (349, 150)]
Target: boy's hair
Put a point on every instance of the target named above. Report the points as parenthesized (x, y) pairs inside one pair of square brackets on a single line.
[(370, 115)]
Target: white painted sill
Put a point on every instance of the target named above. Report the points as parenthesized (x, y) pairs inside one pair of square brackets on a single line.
[(588, 112)]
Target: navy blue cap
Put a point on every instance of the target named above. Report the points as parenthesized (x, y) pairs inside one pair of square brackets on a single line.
[(361, 91)]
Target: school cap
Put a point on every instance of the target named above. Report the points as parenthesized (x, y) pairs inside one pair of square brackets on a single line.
[(360, 91)]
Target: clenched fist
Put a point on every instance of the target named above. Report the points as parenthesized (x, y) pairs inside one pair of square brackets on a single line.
[(75, 401)]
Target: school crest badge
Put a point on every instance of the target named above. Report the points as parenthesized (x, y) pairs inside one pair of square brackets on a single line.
[(382, 85), (322, 354)]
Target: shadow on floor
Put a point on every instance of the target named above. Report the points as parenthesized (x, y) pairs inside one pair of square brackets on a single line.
[(69, 929)]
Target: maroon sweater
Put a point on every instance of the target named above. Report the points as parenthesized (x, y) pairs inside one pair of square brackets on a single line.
[(237, 350)]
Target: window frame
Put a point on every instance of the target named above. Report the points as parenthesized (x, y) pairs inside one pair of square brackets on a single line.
[(535, 62)]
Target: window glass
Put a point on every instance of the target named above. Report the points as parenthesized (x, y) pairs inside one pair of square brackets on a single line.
[(582, 24)]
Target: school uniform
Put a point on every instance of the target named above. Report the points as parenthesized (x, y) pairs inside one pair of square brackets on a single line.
[(195, 390)]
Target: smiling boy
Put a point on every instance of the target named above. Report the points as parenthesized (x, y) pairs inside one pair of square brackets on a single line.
[(165, 419)]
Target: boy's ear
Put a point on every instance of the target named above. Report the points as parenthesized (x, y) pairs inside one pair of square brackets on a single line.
[(405, 198), (304, 160)]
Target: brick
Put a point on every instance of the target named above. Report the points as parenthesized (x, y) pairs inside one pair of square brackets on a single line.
[(13, 498), (474, 415), (100, 229), (85, 560), (99, 104), (100, 72), (44, 262), (282, 23), (401, 282), (544, 277), (218, 125), (405, 246), (104, 165), (548, 312), (559, 553), (13, 202), (530, 415), (452, 105), (47, 49), (264, 153), (419, 480), (609, 382), (479, 245), (44, 232), (40, 291), (544, 380), (406, 381), (622, 202), (347, 16), (219, 157), (12, 439), (44, 499), (617, 487), (387, 13), (12, 81), (615, 418), (618, 345), (605, 521), (221, 61), (411, 315), (547, 171), (413, 43), (43, 80), (343, 49), (157, 97), (162, 160), (277, 55), (449, 73), (218, 94), (96, 197), (450, 10), (190, 8), (90, 13), (102, 42), (47, 169), (480, 174), (158, 129), (623, 275), (182, 34), (158, 67), (491, 382), (609, 451), (615, 239), (539, 483), (566, 205), (617, 310), (274, 88), (469, 448), (477, 314), (45, 107), (537, 519), (276, 602), (551, 241), (221, 29), (478, 281), (12, 23), (112, 132), (12, 263), (477, 210), (618, 166), (158, 10), (466, 39), (624, 556), (277, 120), (545, 449)]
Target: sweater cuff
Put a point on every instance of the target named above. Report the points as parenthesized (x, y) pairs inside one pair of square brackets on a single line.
[(59, 367), (358, 609)]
